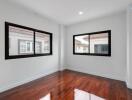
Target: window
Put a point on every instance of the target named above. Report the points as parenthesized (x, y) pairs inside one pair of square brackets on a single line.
[(21, 41), (97, 43)]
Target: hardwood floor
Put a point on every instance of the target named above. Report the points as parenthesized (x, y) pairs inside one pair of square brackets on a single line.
[(61, 86), (129, 94)]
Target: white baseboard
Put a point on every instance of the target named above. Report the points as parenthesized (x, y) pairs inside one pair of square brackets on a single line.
[(21, 82), (129, 85), (62, 68)]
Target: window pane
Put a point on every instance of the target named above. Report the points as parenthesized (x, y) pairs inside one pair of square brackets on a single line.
[(20, 41), (42, 43), (82, 44), (99, 43)]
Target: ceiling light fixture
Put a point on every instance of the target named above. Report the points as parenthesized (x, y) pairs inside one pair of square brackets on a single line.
[(80, 13)]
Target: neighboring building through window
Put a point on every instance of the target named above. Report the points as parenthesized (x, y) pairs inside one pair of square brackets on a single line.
[(25, 47), (101, 48)]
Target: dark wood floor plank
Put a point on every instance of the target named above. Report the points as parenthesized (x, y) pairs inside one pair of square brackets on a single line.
[(129, 94), (61, 86)]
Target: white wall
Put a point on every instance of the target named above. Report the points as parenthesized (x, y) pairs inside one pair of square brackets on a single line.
[(112, 67), (129, 48), (18, 71)]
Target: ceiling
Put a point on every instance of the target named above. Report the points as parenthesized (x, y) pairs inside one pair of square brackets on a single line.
[(66, 11)]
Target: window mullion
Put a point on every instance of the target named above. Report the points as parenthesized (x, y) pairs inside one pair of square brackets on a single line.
[(34, 42), (89, 44)]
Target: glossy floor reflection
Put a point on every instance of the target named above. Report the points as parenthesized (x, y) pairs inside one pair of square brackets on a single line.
[(47, 97), (82, 95), (69, 85), (78, 95)]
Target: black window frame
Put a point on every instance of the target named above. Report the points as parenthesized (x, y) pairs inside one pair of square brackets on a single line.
[(7, 56), (93, 33)]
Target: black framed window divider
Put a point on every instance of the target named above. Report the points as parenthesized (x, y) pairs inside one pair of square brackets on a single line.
[(95, 43), (23, 42)]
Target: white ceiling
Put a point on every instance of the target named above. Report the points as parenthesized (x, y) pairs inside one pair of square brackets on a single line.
[(66, 11)]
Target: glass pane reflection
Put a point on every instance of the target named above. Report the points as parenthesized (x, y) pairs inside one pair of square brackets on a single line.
[(42, 43), (99, 43), (20, 41), (81, 44)]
